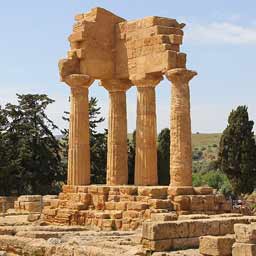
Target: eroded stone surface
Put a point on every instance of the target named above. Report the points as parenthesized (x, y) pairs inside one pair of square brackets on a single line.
[(186, 233), (216, 245), (108, 47)]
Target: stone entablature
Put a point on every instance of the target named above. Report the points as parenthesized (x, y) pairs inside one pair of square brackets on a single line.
[(109, 47)]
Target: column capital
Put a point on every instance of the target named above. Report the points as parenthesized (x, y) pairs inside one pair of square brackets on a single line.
[(151, 81), (116, 85), (78, 81), (180, 75)]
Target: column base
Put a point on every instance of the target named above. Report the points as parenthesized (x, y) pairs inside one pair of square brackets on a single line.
[(127, 207)]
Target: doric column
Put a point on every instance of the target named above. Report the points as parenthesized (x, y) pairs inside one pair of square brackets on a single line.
[(117, 158), (146, 133), (180, 148), (79, 145)]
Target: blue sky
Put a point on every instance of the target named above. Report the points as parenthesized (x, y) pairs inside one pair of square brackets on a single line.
[(220, 42)]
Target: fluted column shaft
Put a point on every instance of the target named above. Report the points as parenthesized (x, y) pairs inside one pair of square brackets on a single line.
[(146, 134), (180, 146), (117, 158), (79, 144)]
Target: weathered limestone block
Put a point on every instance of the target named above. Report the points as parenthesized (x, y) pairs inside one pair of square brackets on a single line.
[(93, 189), (156, 192), (245, 233), (29, 203), (116, 214), (6, 203), (82, 189), (193, 217), (126, 198), (137, 206), (122, 206), (113, 198), (28, 198), (49, 211), (160, 204), (180, 148), (182, 203), (241, 249), (216, 245), (158, 245), (69, 66), (177, 191), (131, 214), (225, 207), (85, 198), (189, 228), (69, 189), (203, 190), (23, 246), (142, 199), (164, 216), (185, 243), (199, 228), (103, 190), (33, 206), (196, 203), (128, 190)]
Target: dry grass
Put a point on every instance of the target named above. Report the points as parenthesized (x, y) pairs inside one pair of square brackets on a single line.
[(201, 139)]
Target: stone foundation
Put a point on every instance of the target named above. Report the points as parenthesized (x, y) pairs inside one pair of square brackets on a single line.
[(126, 207), (198, 200), (173, 235), (216, 245), (6, 203), (245, 244), (32, 203)]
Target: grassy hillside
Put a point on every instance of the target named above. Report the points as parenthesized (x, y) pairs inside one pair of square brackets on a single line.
[(201, 139), (205, 139)]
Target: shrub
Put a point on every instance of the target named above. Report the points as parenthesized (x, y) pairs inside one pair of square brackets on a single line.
[(214, 179)]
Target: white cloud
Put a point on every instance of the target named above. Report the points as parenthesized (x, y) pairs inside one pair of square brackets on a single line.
[(220, 32)]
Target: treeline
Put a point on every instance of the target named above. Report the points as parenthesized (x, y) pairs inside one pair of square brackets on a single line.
[(34, 161)]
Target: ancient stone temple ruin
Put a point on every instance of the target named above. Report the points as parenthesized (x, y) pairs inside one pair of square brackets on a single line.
[(116, 218), (121, 54)]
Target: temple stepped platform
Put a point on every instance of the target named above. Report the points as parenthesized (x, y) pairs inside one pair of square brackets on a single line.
[(126, 207)]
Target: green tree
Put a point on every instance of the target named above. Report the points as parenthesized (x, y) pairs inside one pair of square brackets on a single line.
[(237, 151), (33, 152), (131, 157), (7, 175), (163, 155)]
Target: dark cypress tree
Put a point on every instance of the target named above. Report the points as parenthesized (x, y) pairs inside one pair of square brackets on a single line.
[(163, 157), (33, 151), (237, 151)]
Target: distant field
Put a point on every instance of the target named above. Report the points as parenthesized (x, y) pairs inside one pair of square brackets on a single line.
[(201, 139), (205, 139)]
